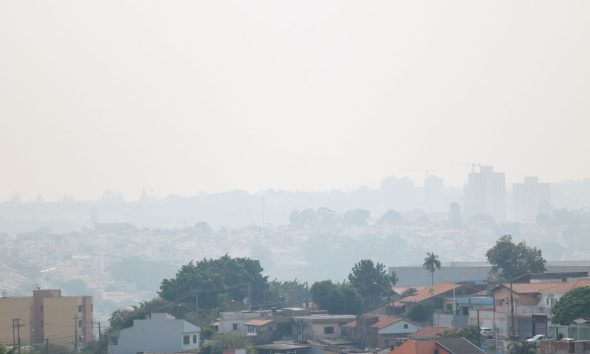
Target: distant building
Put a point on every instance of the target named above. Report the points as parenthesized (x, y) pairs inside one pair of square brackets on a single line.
[(530, 198), (159, 333), (475, 272), (63, 320), (485, 193)]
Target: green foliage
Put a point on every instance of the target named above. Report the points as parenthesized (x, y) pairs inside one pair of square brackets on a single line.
[(392, 217), (372, 282), (53, 349), (431, 264), (521, 348), (356, 217), (336, 298), (572, 306), (510, 260), (227, 341), (211, 277), (471, 333), (420, 311), (123, 318), (285, 293)]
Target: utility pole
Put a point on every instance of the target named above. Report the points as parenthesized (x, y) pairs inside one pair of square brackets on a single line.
[(478, 329), (249, 296), (512, 335), (16, 323), (99, 331), (46, 345), (76, 333), (13, 334), (197, 306)]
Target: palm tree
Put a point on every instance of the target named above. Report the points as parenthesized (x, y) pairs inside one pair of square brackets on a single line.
[(431, 264)]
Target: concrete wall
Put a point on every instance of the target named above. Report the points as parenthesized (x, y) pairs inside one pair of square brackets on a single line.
[(59, 325), (398, 328), (15, 307), (161, 333)]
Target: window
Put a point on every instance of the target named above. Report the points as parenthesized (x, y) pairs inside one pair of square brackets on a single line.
[(328, 330), (186, 340), (436, 351), (234, 327), (80, 323), (79, 308), (194, 338), (114, 340), (405, 326)]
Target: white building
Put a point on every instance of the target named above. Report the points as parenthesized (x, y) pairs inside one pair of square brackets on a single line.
[(485, 193), (235, 321), (159, 333), (530, 198)]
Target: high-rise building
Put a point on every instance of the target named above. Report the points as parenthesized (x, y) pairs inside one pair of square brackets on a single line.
[(63, 320), (530, 198), (485, 193)]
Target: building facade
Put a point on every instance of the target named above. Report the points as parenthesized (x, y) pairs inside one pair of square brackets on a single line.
[(63, 320), (530, 198), (485, 193), (159, 332)]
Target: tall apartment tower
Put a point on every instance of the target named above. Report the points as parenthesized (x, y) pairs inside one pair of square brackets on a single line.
[(63, 320), (530, 198), (485, 193)]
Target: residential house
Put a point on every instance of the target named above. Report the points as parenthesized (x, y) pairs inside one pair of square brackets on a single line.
[(455, 345), (435, 295), (429, 333), (318, 327), (462, 311), (158, 333), (261, 330), (531, 306), (235, 321), (283, 348), (390, 331)]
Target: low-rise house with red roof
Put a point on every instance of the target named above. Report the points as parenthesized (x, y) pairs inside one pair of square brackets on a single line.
[(454, 345)]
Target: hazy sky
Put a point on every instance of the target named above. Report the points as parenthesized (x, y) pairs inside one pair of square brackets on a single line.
[(195, 96)]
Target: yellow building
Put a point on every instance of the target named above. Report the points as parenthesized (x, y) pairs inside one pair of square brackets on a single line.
[(64, 320)]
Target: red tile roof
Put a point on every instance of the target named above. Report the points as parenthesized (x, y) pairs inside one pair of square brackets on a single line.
[(385, 321), (351, 324), (258, 322), (429, 332), (530, 288), (429, 292), (563, 288)]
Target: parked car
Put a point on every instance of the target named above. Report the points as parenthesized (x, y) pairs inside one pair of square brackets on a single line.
[(536, 339), (486, 332), (567, 339)]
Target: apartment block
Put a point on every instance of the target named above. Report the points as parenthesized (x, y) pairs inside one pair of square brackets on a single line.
[(63, 320)]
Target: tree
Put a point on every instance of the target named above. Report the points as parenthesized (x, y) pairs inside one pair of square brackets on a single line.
[(420, 311), (392, 217), (336, 298), (431, 264), (357, 217), (574, 305), (510, 260), (238, 278), (372, 282)]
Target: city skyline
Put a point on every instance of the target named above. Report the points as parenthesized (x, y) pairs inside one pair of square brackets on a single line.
[(273, 95)]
